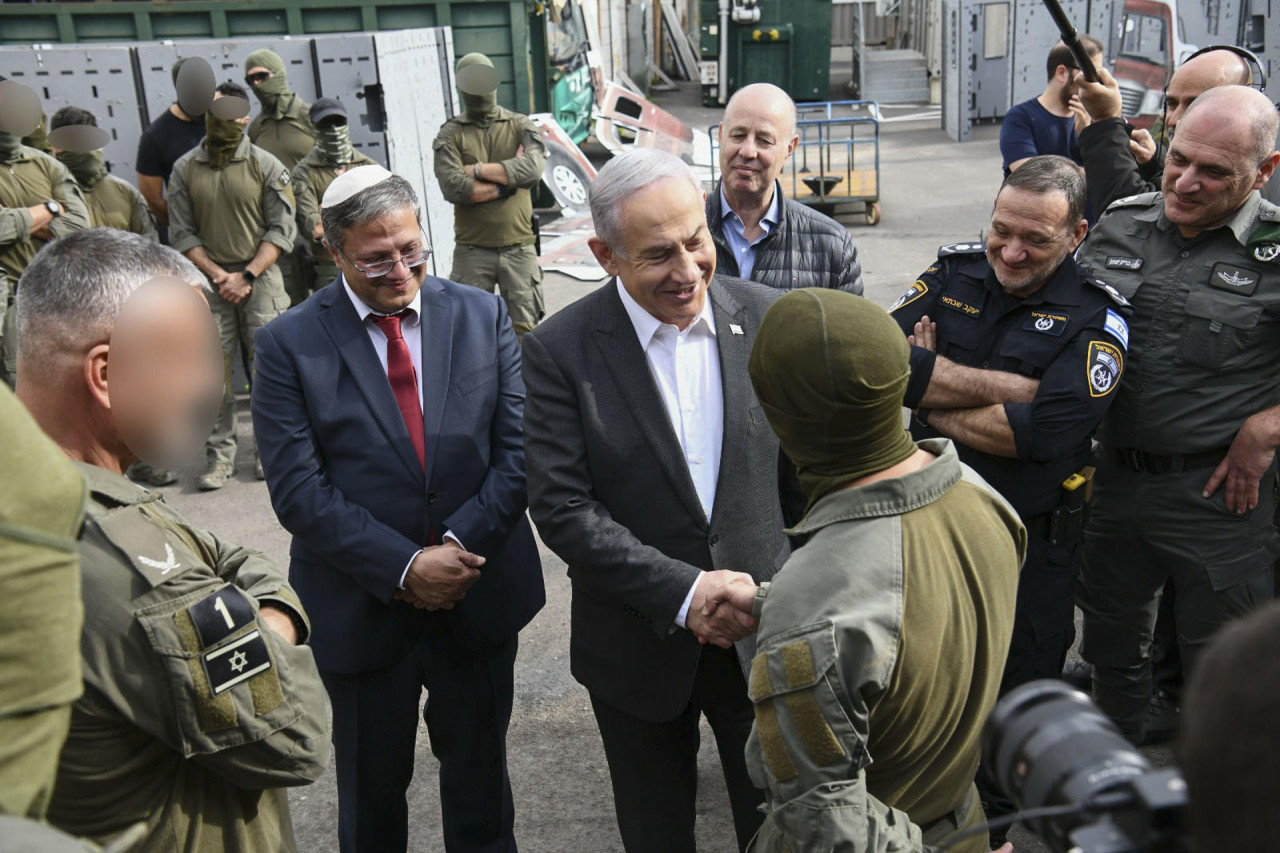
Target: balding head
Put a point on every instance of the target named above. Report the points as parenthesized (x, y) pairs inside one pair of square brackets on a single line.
[(757, 136), (1196, 76), (1222, 152)]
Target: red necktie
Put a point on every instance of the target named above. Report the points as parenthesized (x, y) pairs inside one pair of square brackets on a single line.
[(404, 381)]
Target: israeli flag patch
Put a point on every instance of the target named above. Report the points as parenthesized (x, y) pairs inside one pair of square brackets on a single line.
[(1118, 328)]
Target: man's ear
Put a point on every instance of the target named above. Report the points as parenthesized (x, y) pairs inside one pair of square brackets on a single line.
[(1266, 170), (95, 375), (1077, 237), (605, 256), (337, 259), (791, 146)]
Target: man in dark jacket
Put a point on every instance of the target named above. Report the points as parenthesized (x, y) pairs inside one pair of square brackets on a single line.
[(759, 234)]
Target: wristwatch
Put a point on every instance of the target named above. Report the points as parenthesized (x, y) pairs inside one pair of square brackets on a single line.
[(249, 275), (54, 208)]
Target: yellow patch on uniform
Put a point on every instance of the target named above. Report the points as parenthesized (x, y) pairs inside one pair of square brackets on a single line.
[(797, 662), (214, 713), (912, 293), (812, 727), (761, 686), (771, 741), (1103, 368)]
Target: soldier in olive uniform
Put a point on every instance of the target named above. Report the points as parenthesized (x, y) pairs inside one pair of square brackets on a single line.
[(282, 128), (201, 700), (487, 160), (112, 202), (231, 212), (882, 641), (1186, 484), (41, 507), (331, 156), (39, 200)]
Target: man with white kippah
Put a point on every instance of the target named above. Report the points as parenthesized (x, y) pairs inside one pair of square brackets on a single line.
[(388, 411)]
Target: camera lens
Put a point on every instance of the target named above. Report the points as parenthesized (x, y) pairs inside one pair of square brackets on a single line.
[(1048, 745)]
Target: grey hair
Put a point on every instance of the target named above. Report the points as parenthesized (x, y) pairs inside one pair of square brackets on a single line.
[(382, 199), (73, 290), (1051, 173), (623, 177)]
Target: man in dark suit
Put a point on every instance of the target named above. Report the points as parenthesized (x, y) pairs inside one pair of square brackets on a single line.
[(654, 475), (388, 409)]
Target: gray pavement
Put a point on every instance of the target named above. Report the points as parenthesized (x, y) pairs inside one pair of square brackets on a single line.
[(934, 192)]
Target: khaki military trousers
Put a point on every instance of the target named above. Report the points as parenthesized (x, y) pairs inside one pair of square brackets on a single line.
[(237, 324), (515, 272), (1144, 530)]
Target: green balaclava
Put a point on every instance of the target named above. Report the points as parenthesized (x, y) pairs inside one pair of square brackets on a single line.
[(39, 138), (9, 145), (830, 370), (222, 138), (479, 89), (333, 141), (273, 92), (85, 166)]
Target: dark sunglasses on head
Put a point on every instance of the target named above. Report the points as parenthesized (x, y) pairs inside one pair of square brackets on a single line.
[(260, 77)]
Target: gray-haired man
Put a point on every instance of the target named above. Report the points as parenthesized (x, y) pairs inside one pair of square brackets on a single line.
[(653, 474)]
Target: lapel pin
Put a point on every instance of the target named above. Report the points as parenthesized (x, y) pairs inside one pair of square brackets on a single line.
[(735, 328)]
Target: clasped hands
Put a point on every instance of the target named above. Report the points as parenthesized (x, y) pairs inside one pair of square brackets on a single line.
[(440, 576), (720, 612)]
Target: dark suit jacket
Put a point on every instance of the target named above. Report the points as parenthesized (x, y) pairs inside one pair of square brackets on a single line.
[(611, 493), (345, 481)]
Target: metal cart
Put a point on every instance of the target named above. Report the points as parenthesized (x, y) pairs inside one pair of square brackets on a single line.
[(828, 169)]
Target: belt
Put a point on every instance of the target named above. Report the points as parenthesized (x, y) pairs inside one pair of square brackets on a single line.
[(1167, 463)]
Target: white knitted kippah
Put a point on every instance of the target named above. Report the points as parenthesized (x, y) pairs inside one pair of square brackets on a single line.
[(353, 181)]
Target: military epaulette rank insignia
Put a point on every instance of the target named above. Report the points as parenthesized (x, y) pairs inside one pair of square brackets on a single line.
[(1116, 296), (962, 249), (1265, 239), (1139, 200)]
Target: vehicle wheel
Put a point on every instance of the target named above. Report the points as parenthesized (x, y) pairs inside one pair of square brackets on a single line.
[(568, 182), (873, 213)]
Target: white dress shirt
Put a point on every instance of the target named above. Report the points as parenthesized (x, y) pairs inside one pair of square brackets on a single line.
[(686, 367), (411, 331)]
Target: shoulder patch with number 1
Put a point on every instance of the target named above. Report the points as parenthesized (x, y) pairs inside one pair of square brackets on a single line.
[(221, 614)]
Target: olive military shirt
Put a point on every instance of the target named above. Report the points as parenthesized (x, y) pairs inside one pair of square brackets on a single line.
[(194, 713), (311, 178), (32, 179), (231, 211), (881, 647), (1204, 340), (290, 137), (116, 203), (511, 139), (1070, 335), (41, 507)]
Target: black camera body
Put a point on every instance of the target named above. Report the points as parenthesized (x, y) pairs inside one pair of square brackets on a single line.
[(1085, 787)]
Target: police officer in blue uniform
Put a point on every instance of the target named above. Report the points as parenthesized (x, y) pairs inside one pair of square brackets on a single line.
[(1016, 355)]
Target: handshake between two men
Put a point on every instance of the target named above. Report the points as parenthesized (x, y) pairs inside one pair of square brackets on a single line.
[(721, 609)]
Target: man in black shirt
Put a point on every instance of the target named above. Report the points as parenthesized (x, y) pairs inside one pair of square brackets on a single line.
[(170, 136)]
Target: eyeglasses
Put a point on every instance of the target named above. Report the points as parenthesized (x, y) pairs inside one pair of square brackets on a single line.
[(377, 269), (260, 77)]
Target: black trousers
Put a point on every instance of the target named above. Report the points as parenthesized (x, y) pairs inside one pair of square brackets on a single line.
[(654, 766), (468, 709)]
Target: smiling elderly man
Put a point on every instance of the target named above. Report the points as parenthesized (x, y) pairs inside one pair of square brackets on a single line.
[(759, 233), (1186, 488), (653, 474)]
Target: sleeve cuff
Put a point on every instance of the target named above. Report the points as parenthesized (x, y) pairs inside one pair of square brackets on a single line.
[(683, 616), (185, 244), (277, 239), (922, 363), (1019, 415), (405, 573)]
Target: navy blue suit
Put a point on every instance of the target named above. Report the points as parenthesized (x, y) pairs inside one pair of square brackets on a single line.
[(346, 482)]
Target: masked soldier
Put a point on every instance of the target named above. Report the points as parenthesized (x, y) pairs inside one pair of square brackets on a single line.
[(231, 212), (486, 161), (112, 202), (39, 200), (331, 156), (283, 129), (201, 700)]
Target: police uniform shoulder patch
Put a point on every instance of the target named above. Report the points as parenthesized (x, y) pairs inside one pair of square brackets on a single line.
[(1265, 239), (914, 292), (1103, 368), (962, 249), (1116, 296), (1119, 329)]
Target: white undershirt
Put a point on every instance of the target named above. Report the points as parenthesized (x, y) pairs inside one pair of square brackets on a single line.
[(686, 367)]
